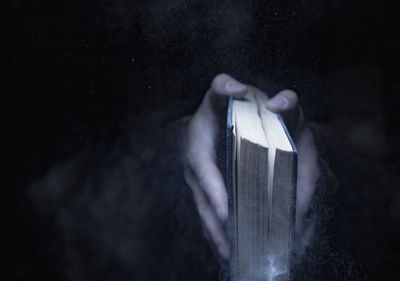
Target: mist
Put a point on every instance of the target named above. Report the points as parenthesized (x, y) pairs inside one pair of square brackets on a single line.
[(96, 97)]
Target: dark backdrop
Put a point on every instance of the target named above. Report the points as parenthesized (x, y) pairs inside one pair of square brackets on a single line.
[(76, 73)]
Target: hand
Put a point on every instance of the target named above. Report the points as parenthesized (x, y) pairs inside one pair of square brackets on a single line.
[(202, 173)]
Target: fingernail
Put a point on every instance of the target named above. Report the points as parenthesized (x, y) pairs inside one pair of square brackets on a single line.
[(222, 213), (234, 86), (279, 101), (224, 252)]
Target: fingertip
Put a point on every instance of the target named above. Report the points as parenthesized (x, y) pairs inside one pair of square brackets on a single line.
[(290, 95), (220, 199), (283, 101), (277, 104), (222, 213), (224, 252), (224, 84), (219, 81), (235, 88)]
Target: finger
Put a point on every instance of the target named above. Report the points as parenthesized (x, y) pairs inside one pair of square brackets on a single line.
[(207, 215), (224, 85), (285, 100), (307, 173), (211, 181)]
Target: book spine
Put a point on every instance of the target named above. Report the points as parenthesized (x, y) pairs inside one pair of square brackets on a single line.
[(293, 210), (229, 173), (293, 193), (287, 133)]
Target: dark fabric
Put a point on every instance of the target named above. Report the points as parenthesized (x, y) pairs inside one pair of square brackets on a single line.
[(126, 214)]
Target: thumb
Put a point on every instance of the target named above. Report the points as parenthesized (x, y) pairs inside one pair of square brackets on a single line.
[(224, 85)]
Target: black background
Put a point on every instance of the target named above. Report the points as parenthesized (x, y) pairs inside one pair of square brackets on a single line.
[(76, 72)]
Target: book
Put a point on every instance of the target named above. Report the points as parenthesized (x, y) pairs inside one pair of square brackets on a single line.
[(261, 180)]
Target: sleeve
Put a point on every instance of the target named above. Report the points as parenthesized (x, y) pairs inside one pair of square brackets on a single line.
[(322, 258), (122, 211)]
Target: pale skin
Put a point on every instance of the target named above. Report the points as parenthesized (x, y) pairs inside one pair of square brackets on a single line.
[(203, 175)]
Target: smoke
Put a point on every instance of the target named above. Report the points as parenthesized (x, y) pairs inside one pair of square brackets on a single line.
[(104, 219), (121, 211), (217, 35), (271, 271), (217, 24)]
